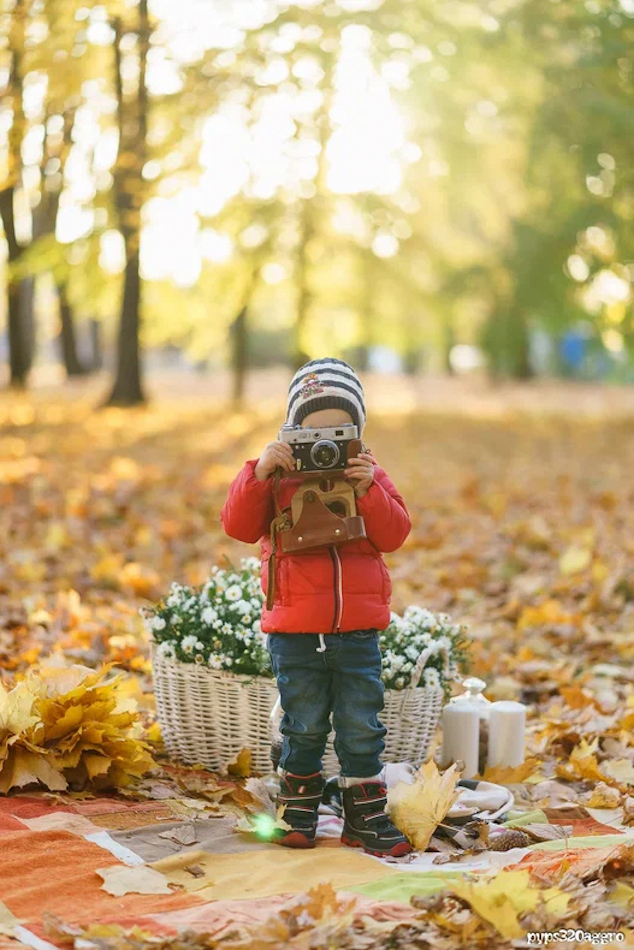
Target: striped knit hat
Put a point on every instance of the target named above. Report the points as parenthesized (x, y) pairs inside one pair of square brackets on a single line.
[(325, 384)]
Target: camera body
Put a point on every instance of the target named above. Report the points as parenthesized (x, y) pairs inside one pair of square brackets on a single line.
[(322, 450)]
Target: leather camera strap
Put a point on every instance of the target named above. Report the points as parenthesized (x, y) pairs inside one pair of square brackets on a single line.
[(279, 521)]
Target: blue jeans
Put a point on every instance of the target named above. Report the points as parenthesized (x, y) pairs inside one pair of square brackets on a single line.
[(344, 680)]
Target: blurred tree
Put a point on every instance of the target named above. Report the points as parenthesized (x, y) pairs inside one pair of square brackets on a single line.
[(15, 25), (130, 192)]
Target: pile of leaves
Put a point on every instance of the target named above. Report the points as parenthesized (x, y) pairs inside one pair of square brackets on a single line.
[(72, 727)]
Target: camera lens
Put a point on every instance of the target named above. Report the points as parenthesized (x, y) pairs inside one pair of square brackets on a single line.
[(324, 454)]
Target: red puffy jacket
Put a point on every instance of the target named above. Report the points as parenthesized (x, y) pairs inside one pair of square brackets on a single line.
[(328, 589)]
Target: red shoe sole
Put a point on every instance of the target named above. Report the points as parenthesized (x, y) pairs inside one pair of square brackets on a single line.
[(296, 840), (396, 852)]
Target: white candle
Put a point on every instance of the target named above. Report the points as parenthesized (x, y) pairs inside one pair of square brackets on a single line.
[(507, 731), (461, 736)]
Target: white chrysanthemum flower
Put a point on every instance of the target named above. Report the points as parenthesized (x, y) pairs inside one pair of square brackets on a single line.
[(217, 624), (399, 682), (228, 661), (209, 615), (226, 629), (256, 626), (189, 643), (246, 618), (234, 592), (158, 623), (431, 677), (242, 606), (412, 652), (214, 662), (167, 650)]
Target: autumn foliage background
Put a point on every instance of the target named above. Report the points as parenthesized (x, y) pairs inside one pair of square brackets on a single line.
[(195, 198)]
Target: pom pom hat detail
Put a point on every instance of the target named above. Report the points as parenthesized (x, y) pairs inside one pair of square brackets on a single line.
[(328, 383)]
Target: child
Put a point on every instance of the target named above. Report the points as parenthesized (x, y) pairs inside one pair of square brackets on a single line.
[(329, 604)]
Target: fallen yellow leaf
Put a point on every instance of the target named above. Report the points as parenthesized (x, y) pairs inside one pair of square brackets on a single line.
[(574, 560), (241, 768), (418, 808), (622, 894), (502, 899), (604, 796), (582, 763), (511, 774), (119, 880), (621, 770)]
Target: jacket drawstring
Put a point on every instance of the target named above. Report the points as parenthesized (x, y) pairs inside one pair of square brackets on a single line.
[(322, 648)]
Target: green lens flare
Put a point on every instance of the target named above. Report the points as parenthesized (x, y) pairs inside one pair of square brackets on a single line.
[(264, 826)]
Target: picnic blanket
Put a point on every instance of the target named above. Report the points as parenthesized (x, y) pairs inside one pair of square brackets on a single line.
[(54, 846)]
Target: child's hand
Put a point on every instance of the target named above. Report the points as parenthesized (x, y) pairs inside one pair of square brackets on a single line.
[(275, 454), (361, 469)]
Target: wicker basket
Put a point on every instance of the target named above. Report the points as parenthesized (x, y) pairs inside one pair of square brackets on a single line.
[(207, 716)]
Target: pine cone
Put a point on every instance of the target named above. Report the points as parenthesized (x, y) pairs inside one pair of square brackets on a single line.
[(511, 838)]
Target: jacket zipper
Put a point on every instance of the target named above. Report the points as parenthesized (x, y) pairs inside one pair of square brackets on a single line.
[(338, 587)]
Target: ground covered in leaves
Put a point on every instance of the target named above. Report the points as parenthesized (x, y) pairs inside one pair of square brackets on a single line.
[(523, 528)]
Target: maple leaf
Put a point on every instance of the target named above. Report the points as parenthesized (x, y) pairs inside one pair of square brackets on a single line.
[(418, 808)]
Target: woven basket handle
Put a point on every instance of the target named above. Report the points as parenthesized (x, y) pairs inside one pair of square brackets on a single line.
[(417, 672)]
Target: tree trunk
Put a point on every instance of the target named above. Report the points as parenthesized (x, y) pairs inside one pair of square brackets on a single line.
[(19, 357), (368, 308), (312, 212), (96, 346), (18, 342), (132, 118), (127, 389), (29, 328), (67, 336), (506, 342), (448, 343), (18, 347), (239, 357), (522, 363), (304, 295)]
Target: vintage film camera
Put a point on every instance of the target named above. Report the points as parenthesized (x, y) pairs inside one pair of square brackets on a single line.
[(322, 450), (323, 510)]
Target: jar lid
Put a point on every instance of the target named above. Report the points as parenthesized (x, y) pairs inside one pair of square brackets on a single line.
[(473, 694)]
